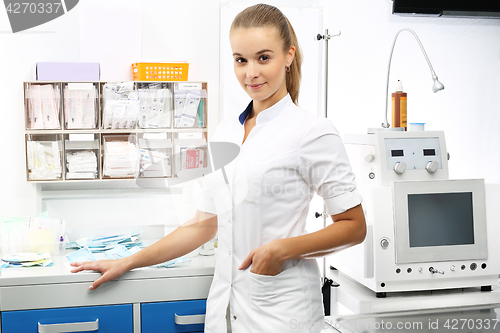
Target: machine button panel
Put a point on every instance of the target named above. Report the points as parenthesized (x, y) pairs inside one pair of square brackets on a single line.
[(416, 153)]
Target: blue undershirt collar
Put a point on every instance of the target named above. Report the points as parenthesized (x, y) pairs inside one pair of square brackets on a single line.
[(244, 114)]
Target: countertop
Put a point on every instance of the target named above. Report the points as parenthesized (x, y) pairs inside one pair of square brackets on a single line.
[(59, 272), (55, 286)]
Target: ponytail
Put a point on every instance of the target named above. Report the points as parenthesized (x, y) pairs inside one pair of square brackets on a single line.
[(294, 76)]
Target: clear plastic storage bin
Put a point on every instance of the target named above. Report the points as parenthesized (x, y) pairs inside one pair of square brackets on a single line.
[(190, 151), (190, 105), (120, 156), (155, 155), (80, 105), (42, 103), (156, 104), (82, 157), (44, 156), (120, 105)]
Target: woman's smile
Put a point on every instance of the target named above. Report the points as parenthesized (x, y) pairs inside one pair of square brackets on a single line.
[(255, 86)]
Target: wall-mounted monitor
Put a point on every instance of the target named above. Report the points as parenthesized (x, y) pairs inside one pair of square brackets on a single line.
[(463, 8)]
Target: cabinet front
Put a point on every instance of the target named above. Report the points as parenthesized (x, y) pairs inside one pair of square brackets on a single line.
[(171, 317), (101, 319)]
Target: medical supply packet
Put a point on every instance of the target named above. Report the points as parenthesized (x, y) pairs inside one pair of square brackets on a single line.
[(37, 234), (121, 252), (105, 243), (112, 248), (27, 260), (172, 263), (81, 255)]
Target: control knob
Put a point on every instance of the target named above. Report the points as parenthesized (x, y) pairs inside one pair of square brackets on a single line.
[(432, 166), (399, 168), (369, 158)]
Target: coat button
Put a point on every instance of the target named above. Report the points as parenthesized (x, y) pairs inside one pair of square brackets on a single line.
[(229, 252)]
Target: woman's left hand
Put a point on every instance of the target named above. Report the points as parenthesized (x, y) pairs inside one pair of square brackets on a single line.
[(265, 260)]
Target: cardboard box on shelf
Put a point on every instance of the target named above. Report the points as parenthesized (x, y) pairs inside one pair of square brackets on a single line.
[(67, 71)]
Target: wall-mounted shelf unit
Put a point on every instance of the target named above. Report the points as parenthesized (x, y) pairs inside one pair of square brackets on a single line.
[(99, 131)]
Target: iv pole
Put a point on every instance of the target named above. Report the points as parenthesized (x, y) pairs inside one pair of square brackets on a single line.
[(326, 37), (327, 283)]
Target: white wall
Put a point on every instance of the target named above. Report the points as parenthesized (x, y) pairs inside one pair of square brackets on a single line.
[(57, 40), (464, 52)]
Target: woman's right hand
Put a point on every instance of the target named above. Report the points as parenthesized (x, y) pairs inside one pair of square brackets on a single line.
[(110, 270)]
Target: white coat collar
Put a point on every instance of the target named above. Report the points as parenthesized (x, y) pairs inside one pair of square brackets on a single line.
[(268, 114)]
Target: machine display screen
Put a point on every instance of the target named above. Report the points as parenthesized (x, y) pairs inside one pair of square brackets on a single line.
[(397, 152), (429, 152), (438, 219)]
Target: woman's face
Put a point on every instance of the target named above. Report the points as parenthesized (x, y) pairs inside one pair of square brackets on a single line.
[(260, 63)]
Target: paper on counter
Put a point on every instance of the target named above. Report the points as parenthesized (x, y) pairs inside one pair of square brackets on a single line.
[(27, 259)]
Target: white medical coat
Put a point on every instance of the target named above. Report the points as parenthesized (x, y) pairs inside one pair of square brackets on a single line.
[(288, 155)]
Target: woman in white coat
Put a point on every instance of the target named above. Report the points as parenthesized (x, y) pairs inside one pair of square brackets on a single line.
[(266, 278)]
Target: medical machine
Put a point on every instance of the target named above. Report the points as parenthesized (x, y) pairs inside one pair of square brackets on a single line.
[(424, 231)]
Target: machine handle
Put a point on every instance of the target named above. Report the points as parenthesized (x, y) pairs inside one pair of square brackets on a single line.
[(69, 327), (189, 320)]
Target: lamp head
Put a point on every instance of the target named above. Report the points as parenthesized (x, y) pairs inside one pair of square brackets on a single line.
[(437, 85)]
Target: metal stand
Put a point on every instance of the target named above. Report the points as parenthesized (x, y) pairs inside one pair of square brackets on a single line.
[(326, 37), (327, 283)]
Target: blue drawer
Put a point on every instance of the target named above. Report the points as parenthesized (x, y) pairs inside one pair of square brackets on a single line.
[(111, 319), (160, 317)]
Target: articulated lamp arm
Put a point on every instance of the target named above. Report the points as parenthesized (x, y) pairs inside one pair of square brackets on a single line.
[(436, 86)]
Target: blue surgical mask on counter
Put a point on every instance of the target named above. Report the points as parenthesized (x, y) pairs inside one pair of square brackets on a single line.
[(121, 251), (81, 255), (100, 244)]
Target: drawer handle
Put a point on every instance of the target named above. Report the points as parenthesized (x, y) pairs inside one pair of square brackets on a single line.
[(69, 327), (189, 320)]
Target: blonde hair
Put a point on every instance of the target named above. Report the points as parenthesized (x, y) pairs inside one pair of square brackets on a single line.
[(262, 15)]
